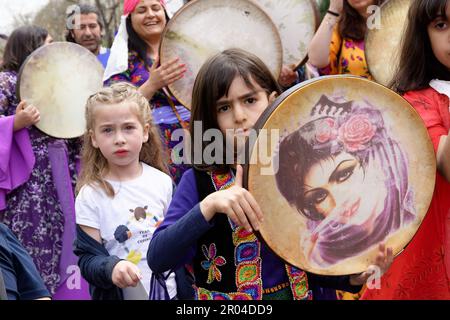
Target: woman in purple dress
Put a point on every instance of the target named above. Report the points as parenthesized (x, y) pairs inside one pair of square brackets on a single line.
[(37, 172)]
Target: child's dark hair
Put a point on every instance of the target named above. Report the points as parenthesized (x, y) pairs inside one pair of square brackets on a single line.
[(417, 63), (352, 25), (213, 82), (22, 42)]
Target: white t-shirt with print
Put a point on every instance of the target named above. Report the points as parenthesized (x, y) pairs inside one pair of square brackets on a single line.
[(127, 221)]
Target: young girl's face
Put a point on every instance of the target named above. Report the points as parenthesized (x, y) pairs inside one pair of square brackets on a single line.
[(238, 112), (118, 134), (439, 34)]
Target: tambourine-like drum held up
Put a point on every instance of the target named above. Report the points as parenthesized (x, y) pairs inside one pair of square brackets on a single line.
[(351, 166), (296, 21), (383, 41), (204, 28), (58, 79)]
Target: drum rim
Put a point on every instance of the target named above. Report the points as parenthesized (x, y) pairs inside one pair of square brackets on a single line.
[(259, 125), (192, 3), (30, 56)]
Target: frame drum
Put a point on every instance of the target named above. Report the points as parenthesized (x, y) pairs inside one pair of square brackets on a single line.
[(297, 21), (58, 79), (383, 43), (203, 28), (336, 171)]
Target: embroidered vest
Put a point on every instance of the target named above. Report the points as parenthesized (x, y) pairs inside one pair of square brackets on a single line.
[(229, 267)]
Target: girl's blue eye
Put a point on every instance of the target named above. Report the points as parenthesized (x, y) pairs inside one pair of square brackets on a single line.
[(129, 127), (107, 130)]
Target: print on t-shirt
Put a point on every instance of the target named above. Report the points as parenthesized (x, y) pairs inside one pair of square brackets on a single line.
[(135, 235)]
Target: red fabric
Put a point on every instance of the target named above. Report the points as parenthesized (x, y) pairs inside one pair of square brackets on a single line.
[(130, 5), (422, 270)]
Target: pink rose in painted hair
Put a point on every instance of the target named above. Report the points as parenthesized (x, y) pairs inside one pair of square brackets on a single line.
[(356, 132), (326, 131)]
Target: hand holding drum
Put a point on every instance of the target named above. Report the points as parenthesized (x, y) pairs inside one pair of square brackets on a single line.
[(26, 115)]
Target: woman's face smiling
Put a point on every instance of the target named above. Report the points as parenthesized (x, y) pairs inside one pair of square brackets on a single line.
[(330, 184), (148, 19)]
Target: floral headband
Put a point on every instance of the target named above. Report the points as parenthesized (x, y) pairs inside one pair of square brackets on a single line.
[(354, 134)]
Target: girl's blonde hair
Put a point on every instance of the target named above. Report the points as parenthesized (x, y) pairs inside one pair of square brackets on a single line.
[(94, 164)]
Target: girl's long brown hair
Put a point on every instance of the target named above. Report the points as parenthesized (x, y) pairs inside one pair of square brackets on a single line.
[(94, 164), (417, 63)]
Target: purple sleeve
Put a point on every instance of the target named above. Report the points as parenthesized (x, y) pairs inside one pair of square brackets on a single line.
[(16, 157), (173, 243)]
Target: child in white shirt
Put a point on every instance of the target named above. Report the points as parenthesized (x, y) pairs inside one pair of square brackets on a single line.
[(124, 188)]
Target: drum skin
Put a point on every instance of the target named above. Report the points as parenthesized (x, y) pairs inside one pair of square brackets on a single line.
[(297, 21), (351, 165), (58, 79), (383, 43), (203, 28)]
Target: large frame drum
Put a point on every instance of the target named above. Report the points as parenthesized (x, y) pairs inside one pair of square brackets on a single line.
[(203, 28), (351, 166), (58, 79)]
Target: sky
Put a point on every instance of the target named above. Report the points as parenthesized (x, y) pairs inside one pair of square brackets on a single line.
[(10, 8)]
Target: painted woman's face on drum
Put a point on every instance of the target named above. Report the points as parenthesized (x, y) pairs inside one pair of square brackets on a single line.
[(148, 19), (339, 188), (329, 184)]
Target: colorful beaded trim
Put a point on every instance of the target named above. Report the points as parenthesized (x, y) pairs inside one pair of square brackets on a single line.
[(276, 288), (247, 257)]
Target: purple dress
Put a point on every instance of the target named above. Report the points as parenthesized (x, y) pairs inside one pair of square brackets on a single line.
[(34, 210), (163, 114)]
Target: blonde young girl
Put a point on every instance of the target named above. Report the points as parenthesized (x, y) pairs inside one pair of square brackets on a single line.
[(124, 192)]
